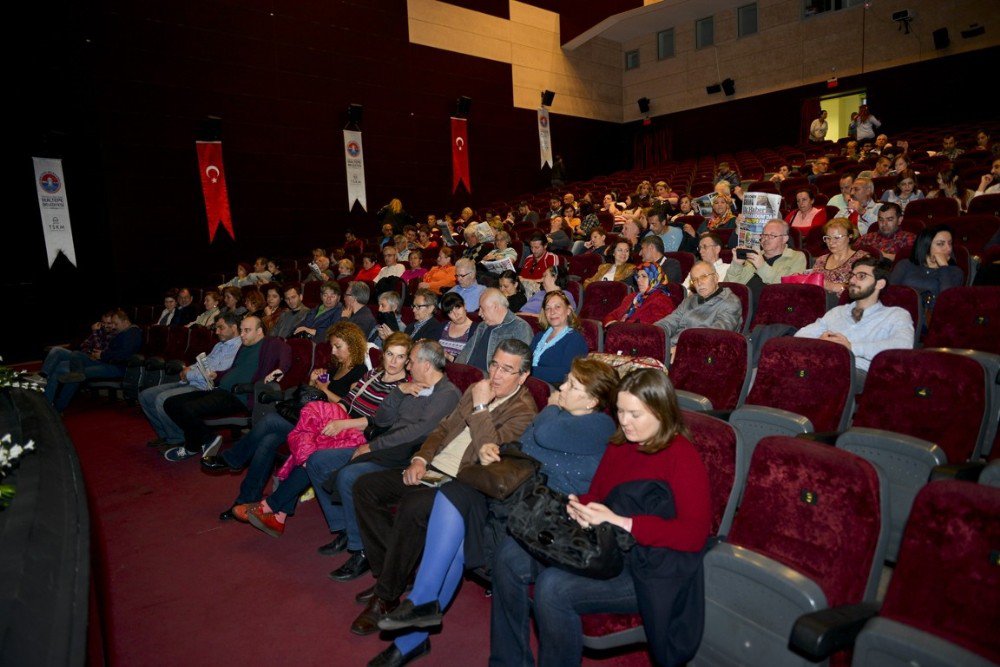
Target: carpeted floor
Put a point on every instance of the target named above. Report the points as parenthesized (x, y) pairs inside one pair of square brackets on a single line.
[(180, 587)]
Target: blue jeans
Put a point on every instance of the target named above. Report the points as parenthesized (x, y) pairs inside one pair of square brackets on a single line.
[(560, 599), (53, 358), (59, 393), (258, 448), (151, 401), (339, 516)]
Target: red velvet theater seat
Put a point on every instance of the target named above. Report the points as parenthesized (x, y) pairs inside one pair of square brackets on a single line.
[(746, 301), (593, 332), (636, 340), (711, 369), (601, 297), (540, 391), (809, 534), (966, 317), (462, 376), (932, 209), (795, 305)]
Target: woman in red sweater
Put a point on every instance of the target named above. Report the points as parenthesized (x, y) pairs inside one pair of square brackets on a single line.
[(651, 445), (650, 304)]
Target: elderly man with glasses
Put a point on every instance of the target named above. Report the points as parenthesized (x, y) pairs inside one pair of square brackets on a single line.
[(864, 326), (710, 307), (424, 326), (498, 324), (467, 287), (495, 410), (767, 265)]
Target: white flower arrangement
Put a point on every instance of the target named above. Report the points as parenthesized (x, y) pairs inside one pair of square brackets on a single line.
[(11, 451)]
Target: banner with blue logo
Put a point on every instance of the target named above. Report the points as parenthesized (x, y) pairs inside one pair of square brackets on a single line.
[(354, 159), (544, 137), (54, 208)]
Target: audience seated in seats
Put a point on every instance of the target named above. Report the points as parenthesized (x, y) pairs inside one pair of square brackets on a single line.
[(557, 238), (345, 269), (184, 314), (151, 400), (949, 147), (169, 309), (904, 191), (836, 264), (211, 303), (672, 237), (253, 300), (722, 217), (621, 270), (458, 329), (734, 195), (424, 325), (595, 244), (554, 279), (560, 342), (684, 210), (402, 245), (863, 209), (650, 303), (370, 268), (502, 250), (842, 200), (568, 437), (526, 215), (865, 326), (820, 167), (649, 463), (882, 167), (710, 307), (781, 174), (101, 333), (467, 287), (389, 318), (492, 411), (536, 263), (766, 266), (340, 429), (66, 369), (442, 275), (352, 244), (512, 288), (258, 358), (356, 307), (475, 249), (291, 317), (319, 319), (242, 278), (390, 267), (570, 221), (387, 236), (257, 449), (806, 215), (724, 173), (498, 324), (321, 270), (948, 186), (232, 298), (888, 239), (930, 268), (425, 240), (651, 250), (710, 250), (989, 184)]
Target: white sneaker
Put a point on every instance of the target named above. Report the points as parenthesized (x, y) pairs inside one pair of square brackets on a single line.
[(175, 454), (212, 448)]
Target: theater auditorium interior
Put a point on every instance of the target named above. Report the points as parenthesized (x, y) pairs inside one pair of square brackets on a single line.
[(195, 167)]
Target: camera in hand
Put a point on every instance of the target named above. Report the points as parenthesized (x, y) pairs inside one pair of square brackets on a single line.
[(741, 253)]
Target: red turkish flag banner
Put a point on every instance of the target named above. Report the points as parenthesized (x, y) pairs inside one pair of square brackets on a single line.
[(460, 154), (213, 187)]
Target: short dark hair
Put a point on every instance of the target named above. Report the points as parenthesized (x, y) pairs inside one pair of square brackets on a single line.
[(450, 301), (512, 276), (538, 237), (518, 348), (291, 287), (330, 286), (881, 267), (653, 240), (892, 206), (230, 318)]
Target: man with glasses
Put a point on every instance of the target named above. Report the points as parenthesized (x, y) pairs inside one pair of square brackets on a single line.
[(889, 239), (391, 268), (841, 200), (710, 307), (767, 265), (710, 251), (492, 411), (819, 168), (498, 324), (863, 208), (424, 326), (467, 287), (865, 326)]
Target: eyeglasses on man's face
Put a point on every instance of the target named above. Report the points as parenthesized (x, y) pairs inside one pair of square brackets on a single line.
[(503, 369), (861, 275), (772, 236)]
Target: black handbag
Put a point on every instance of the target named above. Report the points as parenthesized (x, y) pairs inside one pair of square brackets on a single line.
[(500, 479), (291, 408), (542, 526)]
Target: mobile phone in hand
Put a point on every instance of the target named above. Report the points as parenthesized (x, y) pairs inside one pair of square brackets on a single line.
[(323, 378), (741, 253)]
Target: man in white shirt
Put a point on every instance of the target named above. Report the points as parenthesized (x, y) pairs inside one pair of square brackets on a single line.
[(390, 267), (710, 250)]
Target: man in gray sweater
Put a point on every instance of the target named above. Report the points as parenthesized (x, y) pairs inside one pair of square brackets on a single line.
[(710, 307), (498, 324)]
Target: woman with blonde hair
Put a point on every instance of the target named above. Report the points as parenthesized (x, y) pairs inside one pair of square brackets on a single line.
[(836, 264)]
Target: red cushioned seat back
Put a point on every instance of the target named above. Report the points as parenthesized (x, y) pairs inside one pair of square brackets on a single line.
[(715, 441), (985, 205), (966, 317), (947, 577), (177, 343), (202, 339), (927, 394), (156, 340), (931, 209), (462, 376), (713, 363), (593, 333), (585, 265), (812, 378), (685, 259), (796, 305), (540, 391), (601, 297), (302, 362), (636, 340), (815, 509)]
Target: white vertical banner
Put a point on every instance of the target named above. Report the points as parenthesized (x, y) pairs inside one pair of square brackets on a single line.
[(54, 208), (355, 161), (544, 137)]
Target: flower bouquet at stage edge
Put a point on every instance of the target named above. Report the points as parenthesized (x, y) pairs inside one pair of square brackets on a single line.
[(11, 451)]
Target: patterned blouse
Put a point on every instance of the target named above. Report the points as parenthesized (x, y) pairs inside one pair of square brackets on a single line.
[(840, 274)]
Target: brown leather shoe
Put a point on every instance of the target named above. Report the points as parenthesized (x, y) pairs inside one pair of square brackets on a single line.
[(242, 512), (367, 621), (364, 596)]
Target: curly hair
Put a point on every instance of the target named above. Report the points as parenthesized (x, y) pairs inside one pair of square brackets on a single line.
[(350, 333)]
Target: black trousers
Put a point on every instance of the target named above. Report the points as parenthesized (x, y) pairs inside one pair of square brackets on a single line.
[(189, 411), (393, 542)]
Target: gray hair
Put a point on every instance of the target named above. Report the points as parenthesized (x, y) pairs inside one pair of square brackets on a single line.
[(494, 296), (431, 352), (519, 349), (391, 299), (428, 296), (360, 291)]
